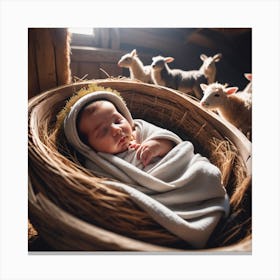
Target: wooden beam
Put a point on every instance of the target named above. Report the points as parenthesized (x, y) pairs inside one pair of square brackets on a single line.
[(33, 80), (142, 38), (45, 58), (88, 54)]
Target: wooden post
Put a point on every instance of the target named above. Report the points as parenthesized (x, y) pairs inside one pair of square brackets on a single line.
[(48, 59)]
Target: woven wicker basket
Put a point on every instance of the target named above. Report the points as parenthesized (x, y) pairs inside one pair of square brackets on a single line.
[(74, 210)]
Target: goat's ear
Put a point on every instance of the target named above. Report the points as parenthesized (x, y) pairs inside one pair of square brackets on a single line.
[(169, 59), (203, 86), (203, 56), (231, 90), (248, 76), (134, 52), (217, 57)]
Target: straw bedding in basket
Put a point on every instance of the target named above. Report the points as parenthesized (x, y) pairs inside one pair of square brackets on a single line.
[(74, 210)]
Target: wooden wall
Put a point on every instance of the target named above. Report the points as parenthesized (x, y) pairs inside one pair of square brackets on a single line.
[(86, 62), (48, 59)]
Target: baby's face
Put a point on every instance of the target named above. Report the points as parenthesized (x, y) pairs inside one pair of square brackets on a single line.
[(105, 129)]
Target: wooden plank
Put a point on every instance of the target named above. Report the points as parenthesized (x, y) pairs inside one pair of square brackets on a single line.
[(88, 54), (112, 69), (33, 82), (45, 59), (115, 39), (74, 69), (84, 40), (61, 41), (90, 69), (105, 38), (141, 38)]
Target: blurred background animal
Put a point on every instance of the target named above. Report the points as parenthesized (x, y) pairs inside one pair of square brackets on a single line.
[(248, 88), (209, 66), (136, 68), (185, 81)]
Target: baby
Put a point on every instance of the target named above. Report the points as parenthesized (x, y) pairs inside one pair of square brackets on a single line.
[(106, 130), (181, 189)]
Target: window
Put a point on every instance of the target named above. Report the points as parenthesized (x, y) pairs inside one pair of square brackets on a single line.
[(108, 38), (83, 37), (85, 31)]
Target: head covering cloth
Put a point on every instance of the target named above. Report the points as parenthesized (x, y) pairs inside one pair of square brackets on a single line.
[(70, 121)]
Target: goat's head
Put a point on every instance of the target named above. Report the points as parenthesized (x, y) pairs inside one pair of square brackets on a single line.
[(208, 65), (159, 62), (126, 60), (215, 95)]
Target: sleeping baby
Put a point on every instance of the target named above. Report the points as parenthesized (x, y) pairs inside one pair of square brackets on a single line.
[(180, 189), (104, 129)]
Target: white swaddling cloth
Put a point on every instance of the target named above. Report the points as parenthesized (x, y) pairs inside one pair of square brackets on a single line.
[(182, 191)]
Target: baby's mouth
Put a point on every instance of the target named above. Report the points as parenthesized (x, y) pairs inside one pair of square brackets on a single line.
[(122, 140)]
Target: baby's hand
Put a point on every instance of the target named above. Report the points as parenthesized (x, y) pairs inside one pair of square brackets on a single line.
[(151, 149), (134, 145)]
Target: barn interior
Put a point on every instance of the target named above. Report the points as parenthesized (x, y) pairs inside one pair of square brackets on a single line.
[(59, 56)]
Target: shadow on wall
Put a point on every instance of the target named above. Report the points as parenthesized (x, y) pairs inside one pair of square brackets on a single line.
[(236, 46)]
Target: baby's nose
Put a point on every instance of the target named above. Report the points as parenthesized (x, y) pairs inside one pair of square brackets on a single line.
[(116, 130)]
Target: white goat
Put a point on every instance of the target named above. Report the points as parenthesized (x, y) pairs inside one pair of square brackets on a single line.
[(248, 87), (209, 67), (136, 68), (185, 81), (230, 106), (246, 93)]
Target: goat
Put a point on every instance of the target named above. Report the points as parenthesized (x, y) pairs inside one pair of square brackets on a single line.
[(136, 67), (209, 67), (185, 81), (234, 108), (246, 93), (248, 88)]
